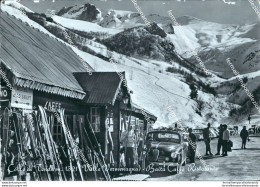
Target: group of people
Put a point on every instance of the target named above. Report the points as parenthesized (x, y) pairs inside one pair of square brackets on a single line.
[(132, 142), (223, 141), (132, 146)]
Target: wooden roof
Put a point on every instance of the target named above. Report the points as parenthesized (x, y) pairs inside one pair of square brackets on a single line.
[(101, 87), (37, 60)]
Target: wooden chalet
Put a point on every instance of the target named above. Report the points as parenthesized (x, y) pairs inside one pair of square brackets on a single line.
[(110, 110), (46, 72)]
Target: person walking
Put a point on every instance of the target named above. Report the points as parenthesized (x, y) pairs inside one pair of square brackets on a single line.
[(226, 136), (192, 145), (220, 140), (244, 136), (128, 139), (206, 137)]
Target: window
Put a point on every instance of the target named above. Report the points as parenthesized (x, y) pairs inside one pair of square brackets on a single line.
[(95, 118), (110, 121), (164, 137)]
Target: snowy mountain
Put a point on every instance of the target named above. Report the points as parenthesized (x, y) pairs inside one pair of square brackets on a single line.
[(142, 41), (158, 64), (214, 46), (86, 12), (120, 19)]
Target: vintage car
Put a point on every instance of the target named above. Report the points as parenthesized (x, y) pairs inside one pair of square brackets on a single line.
[(251, 130), (167, 148), (231, 131), (198, 133)]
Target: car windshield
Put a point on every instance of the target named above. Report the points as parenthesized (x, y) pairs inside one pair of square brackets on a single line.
[(164, 137)]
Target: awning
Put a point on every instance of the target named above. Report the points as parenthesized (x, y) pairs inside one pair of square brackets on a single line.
[(101, 87)]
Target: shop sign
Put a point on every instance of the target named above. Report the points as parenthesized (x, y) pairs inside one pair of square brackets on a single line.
[(5, 93), (21, 98), (52, 105)]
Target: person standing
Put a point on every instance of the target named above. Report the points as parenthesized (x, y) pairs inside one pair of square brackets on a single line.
[(226, 137), (244, 136), (192, 145), (206, 137), (220, 140), (176, 127), (128, 139)]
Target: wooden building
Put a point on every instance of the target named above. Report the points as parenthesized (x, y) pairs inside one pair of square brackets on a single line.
[(110, 110), (39, 70), (45, 72)]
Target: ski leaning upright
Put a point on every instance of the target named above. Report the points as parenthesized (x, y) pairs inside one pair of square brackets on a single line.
[(95, 146), (68, 146), (42, 151), (50, 142), (72, 143)]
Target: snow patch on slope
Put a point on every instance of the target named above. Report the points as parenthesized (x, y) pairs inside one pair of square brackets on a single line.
[(156, 91), (18, 6), (18, 14), (83, 25)]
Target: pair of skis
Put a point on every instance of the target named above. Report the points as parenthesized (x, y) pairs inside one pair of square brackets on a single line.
[(71, 145), (21, 143), (14, 144), (38, 160), (16, 147), (42, 151), (54, 156), (96, 148)]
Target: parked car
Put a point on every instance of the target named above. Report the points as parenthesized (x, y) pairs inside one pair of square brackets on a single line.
[(198, 133), (231, 131), (251, 131), (166, 148), (236, 130)]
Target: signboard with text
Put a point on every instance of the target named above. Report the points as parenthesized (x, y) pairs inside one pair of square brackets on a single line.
[(5, 94), (22, 98)]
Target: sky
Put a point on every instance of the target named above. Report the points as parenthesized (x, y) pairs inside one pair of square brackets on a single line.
[(240, 12)]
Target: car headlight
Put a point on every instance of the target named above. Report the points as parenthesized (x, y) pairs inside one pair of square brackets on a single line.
[(167, 159), (174, 155)]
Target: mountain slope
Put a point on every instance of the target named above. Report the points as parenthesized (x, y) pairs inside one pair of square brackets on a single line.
[(146, 54), (142, 41)]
